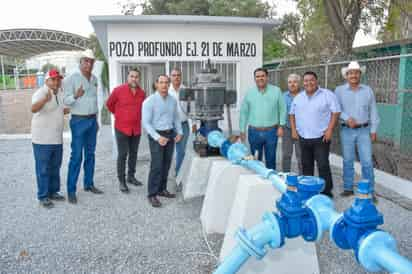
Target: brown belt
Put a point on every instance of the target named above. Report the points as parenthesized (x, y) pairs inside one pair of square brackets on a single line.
[(264, 128), (357, 126)]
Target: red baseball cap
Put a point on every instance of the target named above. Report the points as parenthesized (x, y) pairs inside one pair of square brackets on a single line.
[(53, 73)]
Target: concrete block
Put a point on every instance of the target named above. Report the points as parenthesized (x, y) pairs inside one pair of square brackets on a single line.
[(194, 173), (254, 197), (221, 188)]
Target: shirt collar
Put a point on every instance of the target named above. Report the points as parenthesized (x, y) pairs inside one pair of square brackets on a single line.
[(318, 91)]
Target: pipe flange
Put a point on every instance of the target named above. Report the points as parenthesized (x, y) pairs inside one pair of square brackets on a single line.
[(368, 245), (274, 220), (247, 244)]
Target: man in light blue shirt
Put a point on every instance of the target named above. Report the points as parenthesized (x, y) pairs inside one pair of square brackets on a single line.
[(313, 116), (80, 94), (160, 118), (288, 143), (359, 123)]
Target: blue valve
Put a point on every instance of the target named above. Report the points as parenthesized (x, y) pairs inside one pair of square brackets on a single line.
[(361, 219), (294, 217)]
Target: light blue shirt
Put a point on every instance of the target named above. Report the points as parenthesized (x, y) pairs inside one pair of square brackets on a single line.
[(359, 105), (160, 113), (86, 104), (313, 113), (288, 101)]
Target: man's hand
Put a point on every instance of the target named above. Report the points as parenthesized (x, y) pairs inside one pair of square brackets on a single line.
[(373, 137), (178, 138), (48, 97), (79, 92), (280, 131), (351, 122), (66, 111), (295, 135), (242, 137), (194, 128), (162, 141), (327, 136)]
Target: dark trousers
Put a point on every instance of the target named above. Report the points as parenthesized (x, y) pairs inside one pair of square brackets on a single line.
[(127, 147), (48, 160), (316, 150), (161, 159)]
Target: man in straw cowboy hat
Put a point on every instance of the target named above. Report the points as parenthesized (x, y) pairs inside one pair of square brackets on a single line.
[(359, 122), (80, 94)]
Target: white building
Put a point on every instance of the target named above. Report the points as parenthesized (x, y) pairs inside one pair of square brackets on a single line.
[(157, 43)]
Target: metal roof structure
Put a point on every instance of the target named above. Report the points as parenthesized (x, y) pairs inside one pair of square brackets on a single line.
[(25, 43), (100, 23)]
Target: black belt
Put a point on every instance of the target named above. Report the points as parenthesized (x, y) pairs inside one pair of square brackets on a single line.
[(90, 116), (166, 131), (357, 126)]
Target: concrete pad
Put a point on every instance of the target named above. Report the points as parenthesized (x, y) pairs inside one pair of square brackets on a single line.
[(254, 197), (397, 184), (220, 193), (194, 174)]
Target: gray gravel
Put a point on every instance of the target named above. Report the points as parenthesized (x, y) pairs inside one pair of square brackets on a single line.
[(118, 233)]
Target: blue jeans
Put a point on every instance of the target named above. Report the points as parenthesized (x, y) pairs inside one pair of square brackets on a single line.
[(48, 160), (181, 146), (260, 140), (359, 138), (84, 134)]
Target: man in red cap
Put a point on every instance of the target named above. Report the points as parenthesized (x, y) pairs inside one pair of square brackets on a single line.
[(47, 138), (125, 102)]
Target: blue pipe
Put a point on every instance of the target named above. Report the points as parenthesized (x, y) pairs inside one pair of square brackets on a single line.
[(252, 243), (304, 212), (237, 154), (378, 252)]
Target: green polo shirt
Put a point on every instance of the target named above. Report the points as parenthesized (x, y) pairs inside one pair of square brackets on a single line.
[(263, 109)]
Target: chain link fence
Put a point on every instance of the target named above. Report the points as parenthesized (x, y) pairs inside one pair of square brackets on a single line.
[(382, 74)]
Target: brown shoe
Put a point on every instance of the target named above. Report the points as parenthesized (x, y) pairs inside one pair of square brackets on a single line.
[(154, 201), (346, 193), (167, 194)]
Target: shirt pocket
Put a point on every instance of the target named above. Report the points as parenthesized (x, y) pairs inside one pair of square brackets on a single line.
[(364, 109)]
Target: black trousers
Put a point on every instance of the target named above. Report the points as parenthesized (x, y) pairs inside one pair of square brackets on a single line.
[(127, 147), (161, 159), (316, 150)]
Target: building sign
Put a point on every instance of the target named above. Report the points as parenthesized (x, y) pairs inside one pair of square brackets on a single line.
[(181, 49)]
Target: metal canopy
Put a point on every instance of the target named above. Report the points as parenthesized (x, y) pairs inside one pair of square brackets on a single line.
[(25, 43)]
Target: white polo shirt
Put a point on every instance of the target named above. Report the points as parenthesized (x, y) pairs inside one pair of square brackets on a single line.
[(48, 123)]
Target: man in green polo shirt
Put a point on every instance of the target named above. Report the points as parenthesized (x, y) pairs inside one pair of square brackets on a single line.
[(263, 113)]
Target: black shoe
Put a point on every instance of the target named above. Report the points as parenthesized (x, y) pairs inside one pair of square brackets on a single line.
[(46, 203), (93, 189), (329, 194), (154, 201), (72, 198), (346, 193), (123, 187), (166, 194), (56, 197), (134, 181)]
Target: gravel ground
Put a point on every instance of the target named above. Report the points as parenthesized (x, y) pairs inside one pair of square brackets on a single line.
[(118, 233)]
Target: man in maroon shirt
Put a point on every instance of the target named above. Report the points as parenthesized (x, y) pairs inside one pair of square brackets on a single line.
[(125, 102)]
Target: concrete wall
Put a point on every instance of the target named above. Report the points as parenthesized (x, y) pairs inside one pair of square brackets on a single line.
[(15, 114)]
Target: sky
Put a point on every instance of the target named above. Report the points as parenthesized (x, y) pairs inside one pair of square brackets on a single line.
[(72, 15)]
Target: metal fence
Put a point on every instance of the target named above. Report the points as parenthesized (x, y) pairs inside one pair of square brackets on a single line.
[(382, 74)]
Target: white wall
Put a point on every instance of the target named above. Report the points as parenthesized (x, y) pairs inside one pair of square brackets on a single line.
[(184, 33)]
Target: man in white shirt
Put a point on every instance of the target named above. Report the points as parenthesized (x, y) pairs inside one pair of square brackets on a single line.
[(174, 89), (47, 138)]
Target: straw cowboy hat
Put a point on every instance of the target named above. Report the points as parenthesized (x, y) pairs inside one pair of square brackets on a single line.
[(354, 65), (88, 53)]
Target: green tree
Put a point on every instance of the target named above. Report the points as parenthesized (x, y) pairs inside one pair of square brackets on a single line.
[(244, 8), (398, 21), (98, 53)]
